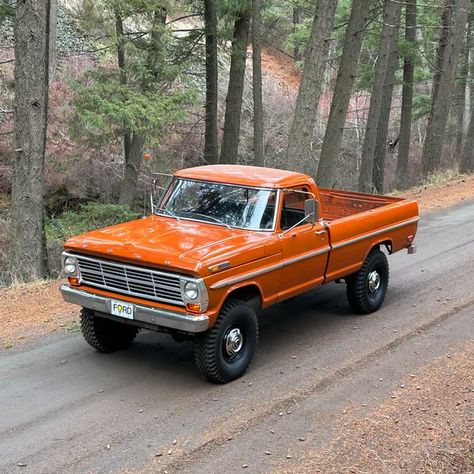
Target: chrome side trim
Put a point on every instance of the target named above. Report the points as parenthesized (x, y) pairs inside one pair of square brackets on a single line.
[(271, 268), (374, 234), (305, 256), (246, 276), (154, 316)]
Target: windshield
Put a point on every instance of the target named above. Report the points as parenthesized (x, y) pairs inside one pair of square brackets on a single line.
[(232, 206)]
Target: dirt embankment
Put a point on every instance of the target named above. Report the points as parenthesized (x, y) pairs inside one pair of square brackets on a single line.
[(444, 194), (282, 67)]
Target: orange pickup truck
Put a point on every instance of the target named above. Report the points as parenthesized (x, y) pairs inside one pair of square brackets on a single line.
[(222, 243)]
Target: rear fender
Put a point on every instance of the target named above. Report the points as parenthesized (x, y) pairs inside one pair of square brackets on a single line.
[(387, 243)]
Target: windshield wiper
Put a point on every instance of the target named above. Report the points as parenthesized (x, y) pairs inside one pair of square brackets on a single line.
[(162, 209), (210, 217)]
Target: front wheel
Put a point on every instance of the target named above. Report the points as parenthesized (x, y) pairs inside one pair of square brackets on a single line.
[(106, 335), (224, 352), (366, 289)]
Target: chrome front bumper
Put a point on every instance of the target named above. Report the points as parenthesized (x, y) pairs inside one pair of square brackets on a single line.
[(153, 316)]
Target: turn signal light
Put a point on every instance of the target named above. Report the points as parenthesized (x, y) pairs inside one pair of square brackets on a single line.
[(73, 281), (193, 308)]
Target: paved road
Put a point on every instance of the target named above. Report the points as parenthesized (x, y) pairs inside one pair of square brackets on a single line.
[(65, 408)]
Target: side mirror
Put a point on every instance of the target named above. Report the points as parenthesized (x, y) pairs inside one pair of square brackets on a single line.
[(311, 210)]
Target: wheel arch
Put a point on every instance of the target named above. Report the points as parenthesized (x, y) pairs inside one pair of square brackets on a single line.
[(250, 292), (387, 243)]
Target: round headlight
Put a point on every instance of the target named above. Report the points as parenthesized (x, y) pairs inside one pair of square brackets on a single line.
[(191, 290), (70, 265)]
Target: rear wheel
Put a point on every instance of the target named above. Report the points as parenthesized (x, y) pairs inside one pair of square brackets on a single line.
[(224, 352), (104, 334), (366, 289)]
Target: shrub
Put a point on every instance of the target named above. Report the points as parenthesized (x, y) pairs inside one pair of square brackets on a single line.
[(89, 216)]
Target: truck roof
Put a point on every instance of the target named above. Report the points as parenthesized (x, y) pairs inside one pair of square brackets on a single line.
[(253, 176)]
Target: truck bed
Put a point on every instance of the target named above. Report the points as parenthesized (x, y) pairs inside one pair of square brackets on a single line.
[(357, 221), (336, 203)]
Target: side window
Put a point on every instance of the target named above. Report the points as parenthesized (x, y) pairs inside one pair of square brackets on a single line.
[(292, 210)]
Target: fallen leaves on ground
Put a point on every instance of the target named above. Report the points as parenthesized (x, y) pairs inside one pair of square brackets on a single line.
[(31, 310), (428, 426)]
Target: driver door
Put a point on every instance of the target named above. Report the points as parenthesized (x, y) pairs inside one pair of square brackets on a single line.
[(305, 247)]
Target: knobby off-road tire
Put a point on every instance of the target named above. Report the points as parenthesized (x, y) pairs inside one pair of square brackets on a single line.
[(224, 352), (104, 334), (366, 289)]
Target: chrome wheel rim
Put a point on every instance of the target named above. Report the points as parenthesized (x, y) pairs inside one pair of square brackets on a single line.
[(374, 282), (233, 343)]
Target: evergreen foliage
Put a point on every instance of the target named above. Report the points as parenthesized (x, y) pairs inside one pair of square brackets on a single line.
[(89, 216)]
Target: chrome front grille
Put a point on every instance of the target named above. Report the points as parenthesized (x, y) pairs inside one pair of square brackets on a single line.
[(130, 280)]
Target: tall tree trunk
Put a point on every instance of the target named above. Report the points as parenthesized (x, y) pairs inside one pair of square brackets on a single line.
[(466, 161), (296, 22), (27, 258), (449, 46), (132, 170), (342, 93), (467, 156), (233, 109), (459, 96), (120, 38), (133, 141), (300, 139), (259, 159), (390, 30), (407, 97), (53, 53), (211, 148), (385, 109), (470, 95)]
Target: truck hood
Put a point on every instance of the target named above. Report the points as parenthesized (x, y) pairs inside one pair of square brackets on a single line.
[(164, 242)]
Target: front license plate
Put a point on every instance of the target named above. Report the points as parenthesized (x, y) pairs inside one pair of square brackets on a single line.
[(124, 310)]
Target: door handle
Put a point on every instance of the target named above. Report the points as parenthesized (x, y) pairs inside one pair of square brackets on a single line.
[(320, 232)]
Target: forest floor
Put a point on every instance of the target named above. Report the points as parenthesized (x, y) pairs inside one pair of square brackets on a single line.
[(425, 426), (32, 310)]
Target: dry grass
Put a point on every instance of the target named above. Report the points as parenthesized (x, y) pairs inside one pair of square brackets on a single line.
[(426, 427)]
